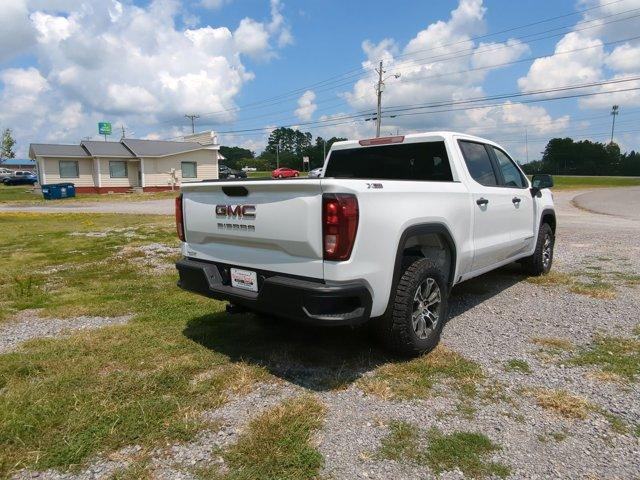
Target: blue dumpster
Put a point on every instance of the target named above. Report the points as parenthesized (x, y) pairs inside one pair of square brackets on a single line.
[(56, 191)]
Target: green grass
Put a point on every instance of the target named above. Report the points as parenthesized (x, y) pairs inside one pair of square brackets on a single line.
[(565, 182), (277, 444), (464, 451), (517, 365), (619, 356), (65, 400), (417, 378), (26, 195)]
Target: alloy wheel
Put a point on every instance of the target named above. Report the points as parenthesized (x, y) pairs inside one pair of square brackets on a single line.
[(426, 308)]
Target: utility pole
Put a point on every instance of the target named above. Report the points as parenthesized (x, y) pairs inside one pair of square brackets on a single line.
[(379, 89), (278, 155), (526, 143), (614, 114), (192, 117), (123, 134)]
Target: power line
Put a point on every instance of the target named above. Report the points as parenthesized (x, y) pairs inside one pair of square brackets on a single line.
[(344, 75)]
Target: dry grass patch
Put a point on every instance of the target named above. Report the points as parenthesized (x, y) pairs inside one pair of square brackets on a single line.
[(553, 343), (561, 402), (418, 377), (277, 444), (598, 289), (552, 278)]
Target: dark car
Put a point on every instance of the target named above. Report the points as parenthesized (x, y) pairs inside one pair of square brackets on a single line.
[(226, 172), (21, 178)]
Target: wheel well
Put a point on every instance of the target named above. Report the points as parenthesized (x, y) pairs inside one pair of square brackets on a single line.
[(550, 219), (434, 246)]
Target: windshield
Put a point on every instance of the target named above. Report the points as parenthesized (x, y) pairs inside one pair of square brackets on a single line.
[(426, 161)]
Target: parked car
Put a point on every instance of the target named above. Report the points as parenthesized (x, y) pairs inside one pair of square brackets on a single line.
[(315, 173), (393, 226), (249, 169), (285, 172), (21, 178), (226, 172), (5, 172)]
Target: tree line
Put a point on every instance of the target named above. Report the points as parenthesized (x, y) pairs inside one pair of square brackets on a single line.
[(564, 156), (285, 147)]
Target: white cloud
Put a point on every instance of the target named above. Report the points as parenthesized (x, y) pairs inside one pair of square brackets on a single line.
[(16, 32), (625, 58), (255, 38), (583, 66), (214, 4), (306, 106), (105, 59), (437, 65)]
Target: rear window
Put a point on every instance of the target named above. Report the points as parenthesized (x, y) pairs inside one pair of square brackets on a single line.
[(427, 161)]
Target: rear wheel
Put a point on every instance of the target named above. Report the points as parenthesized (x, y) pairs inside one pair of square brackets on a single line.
[(419, 310), (540, 262)]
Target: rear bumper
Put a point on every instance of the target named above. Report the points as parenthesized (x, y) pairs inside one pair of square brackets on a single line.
[(295, 298)]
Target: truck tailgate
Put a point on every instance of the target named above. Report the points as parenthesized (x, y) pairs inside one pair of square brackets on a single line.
[(272, 225)]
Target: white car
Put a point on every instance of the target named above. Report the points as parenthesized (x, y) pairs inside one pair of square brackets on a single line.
[(315, 173), (393, 225), (5, 173), (249, 169)]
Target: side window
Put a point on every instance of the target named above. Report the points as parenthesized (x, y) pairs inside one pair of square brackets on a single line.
[(68, 169), (478, 162), (118, 169), (189, 170), (510, 173)]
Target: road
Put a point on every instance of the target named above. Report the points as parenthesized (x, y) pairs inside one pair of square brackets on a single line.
[(621, 202), (145, 207)]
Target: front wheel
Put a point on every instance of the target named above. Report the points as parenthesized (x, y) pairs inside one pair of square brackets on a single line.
[(418, 310), (540, 262)]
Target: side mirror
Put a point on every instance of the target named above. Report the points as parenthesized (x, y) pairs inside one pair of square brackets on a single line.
[(541, 180)]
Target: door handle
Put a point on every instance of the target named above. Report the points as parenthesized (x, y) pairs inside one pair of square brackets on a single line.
[(482, 201), (515, 200)]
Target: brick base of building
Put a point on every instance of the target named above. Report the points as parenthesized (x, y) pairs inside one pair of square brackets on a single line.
[(105, 190)]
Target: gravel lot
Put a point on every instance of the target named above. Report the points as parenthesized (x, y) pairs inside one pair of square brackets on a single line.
[(493, 320)]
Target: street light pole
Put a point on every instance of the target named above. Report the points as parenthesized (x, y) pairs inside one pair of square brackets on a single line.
[(379, 90), (614, 114)]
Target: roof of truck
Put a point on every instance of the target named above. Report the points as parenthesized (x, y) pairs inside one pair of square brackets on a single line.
[(411, 137)]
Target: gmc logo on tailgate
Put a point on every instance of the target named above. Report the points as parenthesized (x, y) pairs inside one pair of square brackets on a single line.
[(236, 211)]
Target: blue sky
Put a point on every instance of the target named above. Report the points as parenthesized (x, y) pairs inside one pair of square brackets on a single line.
[(66, 64)]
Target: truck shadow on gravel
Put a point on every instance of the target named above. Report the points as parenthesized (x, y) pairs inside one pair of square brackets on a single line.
[(319, 358)]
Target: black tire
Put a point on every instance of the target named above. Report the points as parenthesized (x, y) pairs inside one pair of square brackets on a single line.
[(540, 262), (396, 329)]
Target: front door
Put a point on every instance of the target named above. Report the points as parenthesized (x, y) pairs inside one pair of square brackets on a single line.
[(521, 217), (492, 206), (134, 174)]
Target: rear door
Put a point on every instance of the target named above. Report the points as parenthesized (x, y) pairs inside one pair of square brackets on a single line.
[(492, 206), (521, 215), (262, 225)]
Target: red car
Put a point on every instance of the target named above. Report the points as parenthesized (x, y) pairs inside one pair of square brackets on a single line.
[(284, 172)]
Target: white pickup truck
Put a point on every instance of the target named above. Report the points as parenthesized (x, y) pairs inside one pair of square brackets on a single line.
[(386, 232)]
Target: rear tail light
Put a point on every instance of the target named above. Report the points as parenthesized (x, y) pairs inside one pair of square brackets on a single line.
[(179, 220), (339, 225)]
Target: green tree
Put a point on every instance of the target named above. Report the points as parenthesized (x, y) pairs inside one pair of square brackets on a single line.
[(234, 156), (6, 151)]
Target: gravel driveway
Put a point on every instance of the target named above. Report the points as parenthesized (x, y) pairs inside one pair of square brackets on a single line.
[(494, 319), (143, 207)]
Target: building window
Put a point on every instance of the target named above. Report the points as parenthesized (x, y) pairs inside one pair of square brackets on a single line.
[(118, 169), (189, 170), (69, 169)]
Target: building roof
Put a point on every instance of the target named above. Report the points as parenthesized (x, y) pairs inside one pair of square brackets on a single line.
[(52, 150), (159, 148), (107, 149), (16, 162)]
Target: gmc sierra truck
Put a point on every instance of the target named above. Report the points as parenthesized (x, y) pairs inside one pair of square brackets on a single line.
[(382, 236)]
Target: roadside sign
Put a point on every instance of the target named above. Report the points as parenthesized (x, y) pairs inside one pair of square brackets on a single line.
[(104, 128)]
